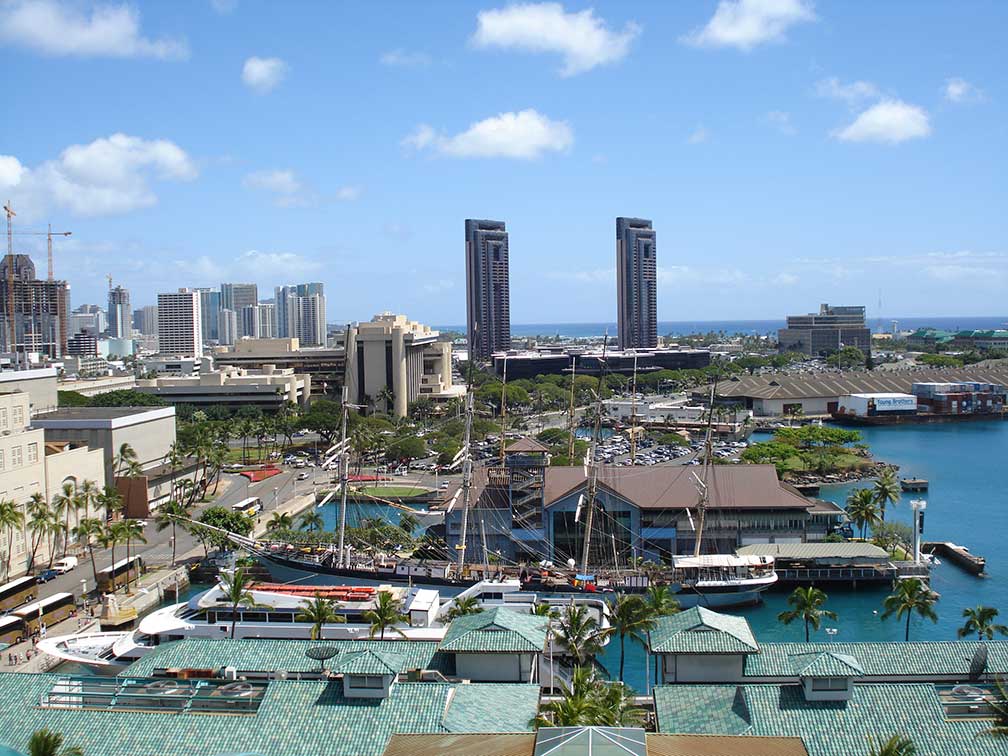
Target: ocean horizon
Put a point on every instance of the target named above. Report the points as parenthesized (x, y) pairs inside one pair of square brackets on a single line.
[(746, 327)]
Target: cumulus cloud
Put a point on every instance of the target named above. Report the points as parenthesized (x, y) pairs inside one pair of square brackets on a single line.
[(780, 121), (744, 24), (525, 135), (889, 121), (347, 193), (582, 39), (262, 75), (279, 182), (404, 59), (851, 93), (289, 190), (961, 91), (58, 29), (107, 176)]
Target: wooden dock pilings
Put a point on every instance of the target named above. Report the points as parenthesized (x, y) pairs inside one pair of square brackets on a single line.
[(958, 555)]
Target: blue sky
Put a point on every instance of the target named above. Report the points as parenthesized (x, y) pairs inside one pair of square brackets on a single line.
[(789, 152)]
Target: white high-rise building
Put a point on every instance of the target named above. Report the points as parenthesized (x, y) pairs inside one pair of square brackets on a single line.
[(180, 328), (227, 327), (267, 320), (120, 316), (311, 320)]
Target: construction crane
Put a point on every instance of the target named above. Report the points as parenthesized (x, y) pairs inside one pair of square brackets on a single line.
[(109, 277), (49, 235)]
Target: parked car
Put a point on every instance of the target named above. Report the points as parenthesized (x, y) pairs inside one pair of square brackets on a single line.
[(64, 565), (46, 575), (303, 476)]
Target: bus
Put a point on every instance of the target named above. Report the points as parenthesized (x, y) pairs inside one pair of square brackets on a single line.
[(16, 592), (120, 572), (250, 506), (11, 629), (47, 611)]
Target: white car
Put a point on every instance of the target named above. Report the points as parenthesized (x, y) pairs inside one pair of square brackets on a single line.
[(303, 476), (64, 565)]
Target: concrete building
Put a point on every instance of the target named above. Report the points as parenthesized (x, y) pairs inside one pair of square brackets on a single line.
[(159, 365), (145, 320), (257, 321), (120, 315), (310, 326), (406, 357), (237, 296), (636, 283), (41, 312), (82, 344), (829, 330), (89, 318), (101, 385), (268, 389), (558, 361), (227, 327), (28, 466), (116, 347), (210, 307), (267, 318), (40, 384), (324, 365), (488, 295), (180, 328), (289, 315)]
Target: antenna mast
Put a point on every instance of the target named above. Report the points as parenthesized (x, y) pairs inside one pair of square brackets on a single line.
[(702, 483)]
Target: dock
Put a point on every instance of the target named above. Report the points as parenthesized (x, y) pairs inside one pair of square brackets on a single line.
[(914, 484), (958, 555)]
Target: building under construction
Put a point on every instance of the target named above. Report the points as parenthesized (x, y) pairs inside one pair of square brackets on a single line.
[(41, 311)]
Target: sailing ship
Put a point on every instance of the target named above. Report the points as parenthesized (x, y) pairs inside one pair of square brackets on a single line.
[(712, 580)]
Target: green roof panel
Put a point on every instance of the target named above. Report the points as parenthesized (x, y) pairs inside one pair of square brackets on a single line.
[(701, 631), (497, 630)]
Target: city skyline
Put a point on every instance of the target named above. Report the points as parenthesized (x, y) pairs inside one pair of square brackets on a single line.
[(783, 170)]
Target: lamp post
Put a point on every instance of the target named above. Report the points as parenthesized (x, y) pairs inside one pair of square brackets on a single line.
[(918, 506), (83, 585)]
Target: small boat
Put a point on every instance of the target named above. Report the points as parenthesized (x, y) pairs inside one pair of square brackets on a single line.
[(914, 484)]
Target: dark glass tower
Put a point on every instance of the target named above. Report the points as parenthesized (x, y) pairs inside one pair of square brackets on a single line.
[(488, 296), (636, 284)]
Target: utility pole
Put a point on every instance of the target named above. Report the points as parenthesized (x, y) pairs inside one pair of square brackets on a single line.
[(570, 413)]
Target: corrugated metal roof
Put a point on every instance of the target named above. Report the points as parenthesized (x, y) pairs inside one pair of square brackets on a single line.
[(699, 630), (848, 550), (506, 744), (659, 744), (496, 630), (825, 664)]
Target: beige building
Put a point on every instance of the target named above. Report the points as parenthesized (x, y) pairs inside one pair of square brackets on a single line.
[(38, 383), (407, 357), (267, 388), (29, 465)]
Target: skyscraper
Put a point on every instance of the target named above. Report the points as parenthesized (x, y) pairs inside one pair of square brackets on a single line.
[(235, 296), (180, 327), (825, 332), (119, 313), (267, 320), (488, 297), (636, 284), (145, 320), (41, 311), (288, 309), (311, 320), (210, 305), (227, 327)]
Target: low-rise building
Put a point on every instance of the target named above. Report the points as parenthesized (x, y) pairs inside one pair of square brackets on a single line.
[(560, 361), (268, 388), (325, 366), (495, 645), (40, 384)]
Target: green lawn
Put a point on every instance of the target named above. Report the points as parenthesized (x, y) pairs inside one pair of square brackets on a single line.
[(389, 492)]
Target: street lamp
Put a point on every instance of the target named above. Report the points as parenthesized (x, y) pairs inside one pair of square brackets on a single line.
[(83, 586), (275, 491)]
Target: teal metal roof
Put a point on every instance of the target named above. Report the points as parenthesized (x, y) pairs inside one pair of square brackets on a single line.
[(295, 718), (268, 655), (825, 664), (887, 660), (701, 631), (367, 662), (828, 728), (497, 630)]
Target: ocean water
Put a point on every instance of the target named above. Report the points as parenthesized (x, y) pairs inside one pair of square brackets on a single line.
[(729, 327)]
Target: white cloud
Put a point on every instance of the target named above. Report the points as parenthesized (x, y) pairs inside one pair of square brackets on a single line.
[(404, 59), (268, 263), (224, 6), (698, 136), (262, 75), (347, 193), (582, 39), (961, 91), (290, 191), (851, 93), (525, 135), (58, 29), (890, 121), (107, 176), (784, 279), (780, 121), (744, 24), (11, 171), (279, 182)]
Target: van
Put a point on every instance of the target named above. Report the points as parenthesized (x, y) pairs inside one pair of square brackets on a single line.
[(64, 565)]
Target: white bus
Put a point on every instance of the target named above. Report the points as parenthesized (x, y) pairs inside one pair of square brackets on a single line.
[(250, 506)]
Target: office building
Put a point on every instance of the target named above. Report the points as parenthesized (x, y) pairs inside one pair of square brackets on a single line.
[(41, 312), (394, 362), (310, 328), (119, 313), (82, 344), (257, 321), (227, 327), (829, 330), (299, 312), (636, 284), (210, 305), (268, 389), (180, 328), (488, 296), (266, 320), (323, 364), (88, 317), (145, 320), (237, 296), (559, 361)]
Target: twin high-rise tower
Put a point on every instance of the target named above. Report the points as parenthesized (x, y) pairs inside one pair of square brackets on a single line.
[(488, 299)]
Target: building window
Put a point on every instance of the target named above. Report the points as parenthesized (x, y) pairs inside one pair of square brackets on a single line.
[(3, 419), (367, 681), (16, 460), (829, 683), (18, 415), (1, 459), (32, 453)]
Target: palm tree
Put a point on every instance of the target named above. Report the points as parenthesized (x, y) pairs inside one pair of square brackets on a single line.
[(384, 615), (886, 490), (318, 611), (87, 530), (909, 596), (388, 396), (62, 503), (590, 701), (39, 519), (615, 706), (629, 617), (579, 632), (896, 745), (168, 517), (462, 607), (862, 509), (280, 521), (111, 501), (980, 620), (660, 603), (542, 609), (112, 535), (311, 520), (408, 523), (45, 742), (807, 605), (235, 586), (11, 517), (127, 455), (132, 530)]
